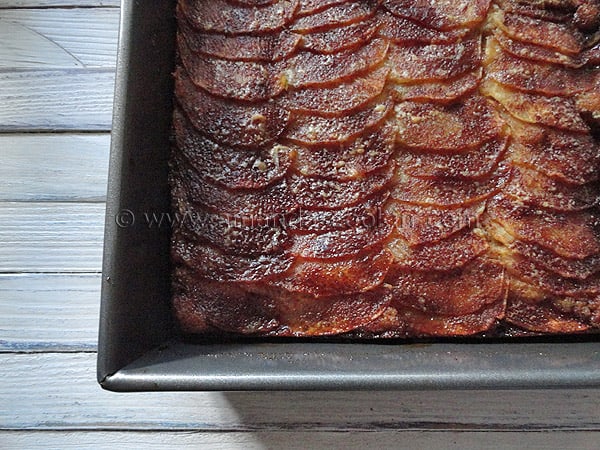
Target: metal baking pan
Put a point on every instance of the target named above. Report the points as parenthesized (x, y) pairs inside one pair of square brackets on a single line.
[(139, 349)]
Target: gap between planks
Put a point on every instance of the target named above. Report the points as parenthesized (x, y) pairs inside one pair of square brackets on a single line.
[(292, 440), (49, 312), (73, 100), (43, 4), (57, 69), (69, 398), (34, 38), (59, 392)]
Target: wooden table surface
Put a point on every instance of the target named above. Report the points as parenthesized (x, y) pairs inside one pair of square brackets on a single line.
[(57, 61)]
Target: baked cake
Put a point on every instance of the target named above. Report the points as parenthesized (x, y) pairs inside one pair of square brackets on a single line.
[(386, 168)]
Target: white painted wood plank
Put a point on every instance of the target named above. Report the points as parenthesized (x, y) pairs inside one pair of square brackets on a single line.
[(54, 167), (51, 237), (22, 47), (66, 100), (58, 391), (58, 3), (58, 37), (49, 312), (300, 440)]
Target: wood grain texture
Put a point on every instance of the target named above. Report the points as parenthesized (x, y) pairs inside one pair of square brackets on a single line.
[(30, 49), (51, 237), (49, 312), (58, 391), (56, 74), (430, 440), (54, 167), (56, 100), (58, 37), (7, 4)]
